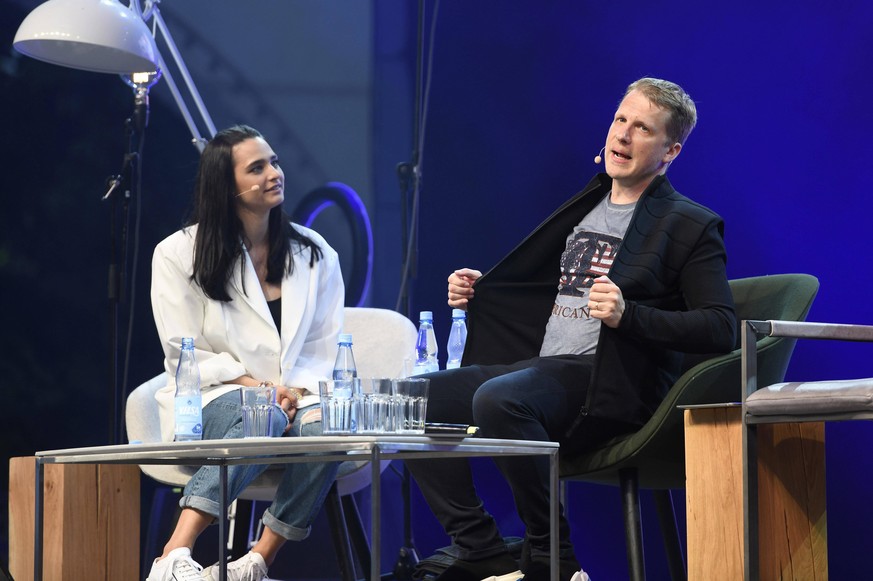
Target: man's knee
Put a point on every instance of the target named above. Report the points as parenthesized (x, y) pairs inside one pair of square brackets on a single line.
[(493, 404)]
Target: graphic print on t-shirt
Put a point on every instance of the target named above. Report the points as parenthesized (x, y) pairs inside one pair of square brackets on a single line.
[(587, 256)]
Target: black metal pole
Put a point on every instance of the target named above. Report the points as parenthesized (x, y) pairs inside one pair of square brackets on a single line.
[(113, 295), (123, 184), (410, 182)]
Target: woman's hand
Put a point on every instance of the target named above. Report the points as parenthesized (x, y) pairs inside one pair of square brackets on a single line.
[(288, 398)]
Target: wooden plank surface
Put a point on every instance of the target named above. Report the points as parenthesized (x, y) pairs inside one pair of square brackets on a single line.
[(791, 491), (714, 494), (91, 521), (791, 501)]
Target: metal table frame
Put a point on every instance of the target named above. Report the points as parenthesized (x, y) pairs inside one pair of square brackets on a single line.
[(224, 453)]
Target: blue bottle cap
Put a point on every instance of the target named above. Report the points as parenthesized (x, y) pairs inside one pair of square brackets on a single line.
[(425, 316), (459, 314), (345, 338)]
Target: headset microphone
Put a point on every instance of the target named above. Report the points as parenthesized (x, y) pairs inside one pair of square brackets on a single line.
[(599, 157), (254, 188)]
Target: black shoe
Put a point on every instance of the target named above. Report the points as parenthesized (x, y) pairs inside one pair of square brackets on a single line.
[(538, 570), (462, 570)]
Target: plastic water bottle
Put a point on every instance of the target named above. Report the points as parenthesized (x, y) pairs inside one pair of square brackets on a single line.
[(345, 368), (457, 339), (188, 403), (426, 349)]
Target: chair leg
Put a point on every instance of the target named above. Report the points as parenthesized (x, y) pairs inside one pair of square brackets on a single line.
[(160, 525), (633, 532), (340, 535), (670, 534), (241, 534), (357, 533)]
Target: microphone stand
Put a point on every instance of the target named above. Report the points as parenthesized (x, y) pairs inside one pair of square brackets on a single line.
[(123, 184), (409, 176), (115, 288)]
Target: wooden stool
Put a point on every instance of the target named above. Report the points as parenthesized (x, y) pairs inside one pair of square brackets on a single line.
[(791, 491), (91, 521)]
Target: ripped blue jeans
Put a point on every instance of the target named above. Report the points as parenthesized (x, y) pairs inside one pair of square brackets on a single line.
[(302, 488)]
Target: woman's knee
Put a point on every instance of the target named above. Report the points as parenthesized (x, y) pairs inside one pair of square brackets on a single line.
[(310, 421), (278, 422)]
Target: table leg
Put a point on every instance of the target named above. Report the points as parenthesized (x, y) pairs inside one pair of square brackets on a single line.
[(554, 514), (376, 517), (39, 507), (222, 522), (751, 558)]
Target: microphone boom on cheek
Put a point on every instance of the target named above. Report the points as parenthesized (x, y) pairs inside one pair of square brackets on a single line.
[(254, 188), (599, 157)]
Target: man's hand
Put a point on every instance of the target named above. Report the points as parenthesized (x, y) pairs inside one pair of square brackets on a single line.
[(605, 302), (461, 287)]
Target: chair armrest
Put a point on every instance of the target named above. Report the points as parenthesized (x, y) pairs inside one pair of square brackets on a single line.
[(843, 396), (805, 330)]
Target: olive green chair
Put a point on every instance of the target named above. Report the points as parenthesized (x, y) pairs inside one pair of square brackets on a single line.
[(654, 457)]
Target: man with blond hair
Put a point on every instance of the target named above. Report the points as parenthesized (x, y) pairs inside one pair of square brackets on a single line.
[(640, 277)]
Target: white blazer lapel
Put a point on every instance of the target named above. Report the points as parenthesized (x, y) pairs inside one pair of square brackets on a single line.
[(296, 302)]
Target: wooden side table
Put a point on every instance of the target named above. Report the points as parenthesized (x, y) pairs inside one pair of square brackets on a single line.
[(791, 496), (91, 527)]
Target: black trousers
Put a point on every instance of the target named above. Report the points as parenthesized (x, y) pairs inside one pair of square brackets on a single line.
[(537, 399)]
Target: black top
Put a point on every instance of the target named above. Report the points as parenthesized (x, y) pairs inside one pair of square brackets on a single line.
[(276, 311)]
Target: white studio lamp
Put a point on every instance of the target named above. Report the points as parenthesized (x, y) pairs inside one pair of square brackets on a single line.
[(103, 36)]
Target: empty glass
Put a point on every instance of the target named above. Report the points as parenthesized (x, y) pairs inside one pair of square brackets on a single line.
[(410, 395), (337, 405), (258, 404), (375, 406)]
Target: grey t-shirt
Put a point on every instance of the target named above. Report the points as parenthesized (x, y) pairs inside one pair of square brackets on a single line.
[(591, 248)]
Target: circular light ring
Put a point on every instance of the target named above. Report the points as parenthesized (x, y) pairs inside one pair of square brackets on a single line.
[(352, 207)]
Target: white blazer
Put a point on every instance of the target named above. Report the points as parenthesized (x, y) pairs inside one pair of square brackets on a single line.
[(239, 337)]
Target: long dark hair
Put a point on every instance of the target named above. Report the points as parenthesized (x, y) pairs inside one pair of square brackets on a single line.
[(218, 245)]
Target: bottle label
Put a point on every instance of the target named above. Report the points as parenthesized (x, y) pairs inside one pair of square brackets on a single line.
[(189, 417)]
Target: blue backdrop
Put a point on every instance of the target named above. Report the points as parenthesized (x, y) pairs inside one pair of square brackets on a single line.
[(523, 94)]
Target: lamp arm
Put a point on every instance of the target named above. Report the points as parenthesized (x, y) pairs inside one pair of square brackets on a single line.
[(160, 26), (197, 139)]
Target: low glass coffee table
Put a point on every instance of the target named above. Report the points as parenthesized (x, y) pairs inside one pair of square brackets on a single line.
[(224, 453)]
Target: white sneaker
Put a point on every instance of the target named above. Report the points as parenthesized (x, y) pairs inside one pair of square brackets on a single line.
[(519, 576), (515, 576), (249, 567), (176, 566)]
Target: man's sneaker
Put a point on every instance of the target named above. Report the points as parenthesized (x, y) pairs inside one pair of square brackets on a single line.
[(515, 576), (519, 576), (176, 566), (538, 570), (250, 567)]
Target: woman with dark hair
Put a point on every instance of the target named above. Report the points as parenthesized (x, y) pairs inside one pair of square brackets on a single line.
[(263, 300)]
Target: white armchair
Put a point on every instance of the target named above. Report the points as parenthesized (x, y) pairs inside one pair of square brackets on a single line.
[(382, 339)]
